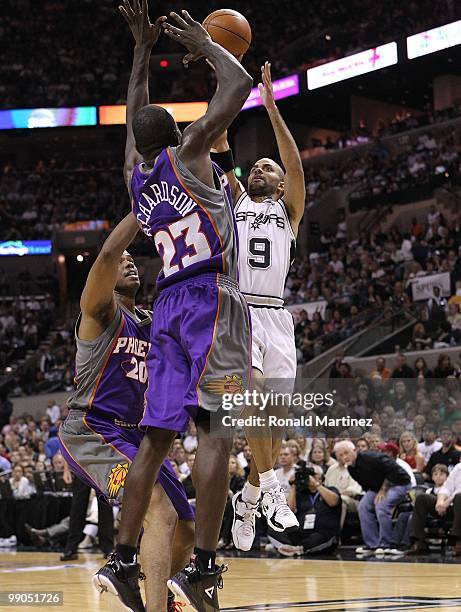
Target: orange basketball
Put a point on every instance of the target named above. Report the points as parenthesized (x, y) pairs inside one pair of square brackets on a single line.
[(229, 29)]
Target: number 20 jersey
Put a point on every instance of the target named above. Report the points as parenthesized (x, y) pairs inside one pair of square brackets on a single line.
[(191, 224), (110, 371), (266, 249)]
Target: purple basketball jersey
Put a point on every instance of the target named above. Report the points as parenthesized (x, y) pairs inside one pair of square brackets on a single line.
[(191, 224), (111, 372)]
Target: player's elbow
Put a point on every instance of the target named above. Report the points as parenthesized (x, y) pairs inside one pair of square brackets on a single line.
[(242, 86)]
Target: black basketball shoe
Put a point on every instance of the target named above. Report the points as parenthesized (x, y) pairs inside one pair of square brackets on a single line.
[(173, 605), (122, 580), (197, 589)]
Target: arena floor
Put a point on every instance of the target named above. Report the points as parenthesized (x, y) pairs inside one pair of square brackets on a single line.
[(330, 585)]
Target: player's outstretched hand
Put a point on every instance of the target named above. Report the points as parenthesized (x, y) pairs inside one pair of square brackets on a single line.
[(144, 32), (189, 33), (265, 88)]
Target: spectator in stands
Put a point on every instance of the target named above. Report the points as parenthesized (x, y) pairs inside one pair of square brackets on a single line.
[(5, 465), (286, 470), (447, 454), (236, 482), (381, 369), (303, 445), (402, 369), (436, 308), (338, 476), (438, 503), (421, 370), (19, 484), (318, 510), (444, 367), (53, 411), (385, 484), (319, 455), (420, 339), (295, 450), (187, 482), (392, 451), (454, 318), (361, 445), (409, 452), (430, 444)]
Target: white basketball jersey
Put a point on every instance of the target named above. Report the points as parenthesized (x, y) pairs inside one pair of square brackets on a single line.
[(266, 249)]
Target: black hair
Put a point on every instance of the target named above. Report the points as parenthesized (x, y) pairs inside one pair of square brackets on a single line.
[(154, 129)]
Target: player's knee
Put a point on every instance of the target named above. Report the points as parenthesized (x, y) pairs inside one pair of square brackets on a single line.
[(157, 441)]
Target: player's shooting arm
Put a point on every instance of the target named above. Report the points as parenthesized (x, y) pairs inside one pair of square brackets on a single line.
[(97, 302), (234, 85), (145, 35), (221, 145), (294, 190)]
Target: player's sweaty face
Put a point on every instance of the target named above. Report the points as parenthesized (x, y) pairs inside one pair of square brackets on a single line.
[(128, 278), (264, 178)]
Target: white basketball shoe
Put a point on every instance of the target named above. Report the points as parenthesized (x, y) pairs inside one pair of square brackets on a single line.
[(243, 525), (276, 510)]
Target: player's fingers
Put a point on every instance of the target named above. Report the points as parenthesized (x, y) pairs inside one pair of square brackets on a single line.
[(128, 8), (136, 7), (172, 34), (178, 19), (125, 14), (145, 8), (188, 18), (187, 58), (159, 21), (261, 89), (170, 28)]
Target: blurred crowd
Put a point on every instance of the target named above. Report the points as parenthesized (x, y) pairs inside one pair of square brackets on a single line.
[(23, 323), (36, 202), (378, 172), (306, 34), (402, 121), (354, 280)]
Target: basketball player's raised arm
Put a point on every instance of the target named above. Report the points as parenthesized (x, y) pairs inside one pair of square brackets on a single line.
[(145, 35), (294, 188), (97, 302), (234, 85), (221, 145)]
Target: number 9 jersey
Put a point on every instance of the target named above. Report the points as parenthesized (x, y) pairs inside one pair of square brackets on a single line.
[(267, 247), (266, 250)]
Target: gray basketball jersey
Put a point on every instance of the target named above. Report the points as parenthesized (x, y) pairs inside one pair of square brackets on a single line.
[(110, 371)]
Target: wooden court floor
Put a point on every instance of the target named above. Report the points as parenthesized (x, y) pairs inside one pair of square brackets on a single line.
[(259, 584)]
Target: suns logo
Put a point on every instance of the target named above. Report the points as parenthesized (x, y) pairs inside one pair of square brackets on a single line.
[(231, 383), (116, 478)]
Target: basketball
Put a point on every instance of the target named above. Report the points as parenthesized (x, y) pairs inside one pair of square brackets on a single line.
[(229, 29)]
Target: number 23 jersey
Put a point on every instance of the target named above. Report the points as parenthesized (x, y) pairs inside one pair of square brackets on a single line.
[(266, 249), (191, 224), (110, 371)]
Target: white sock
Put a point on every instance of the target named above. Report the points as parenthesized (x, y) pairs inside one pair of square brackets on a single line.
[(268, 480), (250, 493)]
